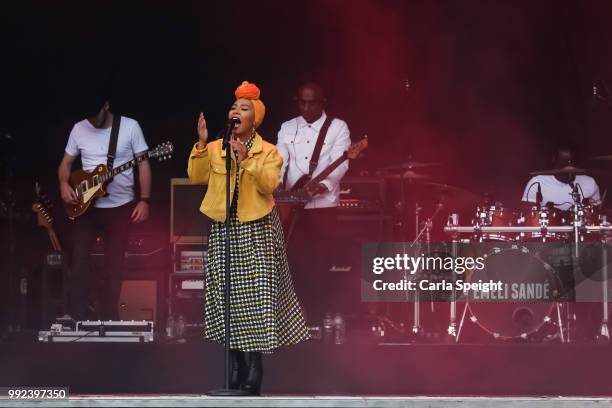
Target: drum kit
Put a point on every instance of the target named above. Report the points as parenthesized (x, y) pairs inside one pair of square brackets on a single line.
[(505, 238)]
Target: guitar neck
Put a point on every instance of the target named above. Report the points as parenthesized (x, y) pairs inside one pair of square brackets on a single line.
[(54, 240), (328, 170), (125, 166)]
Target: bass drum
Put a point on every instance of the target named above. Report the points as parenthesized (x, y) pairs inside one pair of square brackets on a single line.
[(525, 302)]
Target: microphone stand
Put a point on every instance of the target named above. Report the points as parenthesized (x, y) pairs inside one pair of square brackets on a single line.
[(226, 391)]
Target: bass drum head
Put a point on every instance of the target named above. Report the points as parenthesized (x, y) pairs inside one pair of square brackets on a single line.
[(526, 299)]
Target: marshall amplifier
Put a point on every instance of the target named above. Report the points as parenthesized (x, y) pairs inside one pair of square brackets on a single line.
[(362, 195), (344, 269)]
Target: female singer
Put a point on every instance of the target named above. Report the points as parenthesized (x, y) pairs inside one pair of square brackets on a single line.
[(265, 312)]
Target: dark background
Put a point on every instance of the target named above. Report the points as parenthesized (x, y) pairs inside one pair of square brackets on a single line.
[(487, 87)]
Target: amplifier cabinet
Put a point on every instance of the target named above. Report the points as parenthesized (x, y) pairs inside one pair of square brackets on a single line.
[(362, 194), (187, 223)]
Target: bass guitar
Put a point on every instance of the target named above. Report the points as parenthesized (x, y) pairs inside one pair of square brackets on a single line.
[(294, 199)]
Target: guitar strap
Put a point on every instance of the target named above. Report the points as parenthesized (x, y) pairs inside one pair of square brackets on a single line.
[(112, 144), (314, 160)]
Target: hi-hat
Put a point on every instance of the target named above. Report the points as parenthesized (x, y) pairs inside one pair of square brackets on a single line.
[(567, 170)]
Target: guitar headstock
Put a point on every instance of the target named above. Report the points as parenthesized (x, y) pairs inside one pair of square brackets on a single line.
[(162, 151), (357, 148), (45, 219)]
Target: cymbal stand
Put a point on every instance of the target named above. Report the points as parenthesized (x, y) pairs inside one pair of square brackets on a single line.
[(417, 329), (578, 217), (577, 222), (604, 332), (451, 332)]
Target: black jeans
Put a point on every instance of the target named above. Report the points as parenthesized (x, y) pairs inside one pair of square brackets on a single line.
[(113, 225)]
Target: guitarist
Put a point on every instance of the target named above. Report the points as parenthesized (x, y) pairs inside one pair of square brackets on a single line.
[(90, 138), (312, 243)]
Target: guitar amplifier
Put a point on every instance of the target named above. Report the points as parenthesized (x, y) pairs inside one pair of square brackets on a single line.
[(362, 195), (187, 223)]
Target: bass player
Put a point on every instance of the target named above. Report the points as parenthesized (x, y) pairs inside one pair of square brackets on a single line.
[(308, 144)]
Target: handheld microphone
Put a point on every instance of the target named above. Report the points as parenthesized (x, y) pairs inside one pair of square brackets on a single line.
[(232, 123)]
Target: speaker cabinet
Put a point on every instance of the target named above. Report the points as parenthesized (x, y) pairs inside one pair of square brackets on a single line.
[(187, 223), (344, 269), (138, 300)]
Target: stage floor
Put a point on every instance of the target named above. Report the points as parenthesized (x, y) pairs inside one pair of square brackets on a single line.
[(315, 402), (185, 372)]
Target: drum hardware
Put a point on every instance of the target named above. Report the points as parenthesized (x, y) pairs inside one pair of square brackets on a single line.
[(405, 172), (604, 332), (451, 332), (417, 329)]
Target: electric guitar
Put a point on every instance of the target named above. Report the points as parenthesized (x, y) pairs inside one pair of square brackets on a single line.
[(89, 185), (289, 201), (45, 219)]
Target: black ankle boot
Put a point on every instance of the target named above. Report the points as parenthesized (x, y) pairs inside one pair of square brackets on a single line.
[(252, 384), (238, 369)]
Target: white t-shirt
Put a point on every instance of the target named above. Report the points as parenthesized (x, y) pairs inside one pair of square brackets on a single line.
[(296, 143), (92, 145), (559, 193)]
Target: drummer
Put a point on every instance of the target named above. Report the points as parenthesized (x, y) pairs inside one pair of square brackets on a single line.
[(556, 190)]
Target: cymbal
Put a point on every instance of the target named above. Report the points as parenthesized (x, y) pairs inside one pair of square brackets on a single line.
[(412, 164), (454, 193), (567, 170), (606, 157), (408, 175)]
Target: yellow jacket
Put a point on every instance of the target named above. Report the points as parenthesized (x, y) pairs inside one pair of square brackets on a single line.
[(259, 176)]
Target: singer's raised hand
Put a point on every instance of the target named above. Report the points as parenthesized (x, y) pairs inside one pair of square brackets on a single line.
[(239, 148), (202, 132)]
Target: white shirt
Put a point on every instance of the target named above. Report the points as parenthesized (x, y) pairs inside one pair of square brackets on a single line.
[(92, 145), (559, 193), (296, 143)]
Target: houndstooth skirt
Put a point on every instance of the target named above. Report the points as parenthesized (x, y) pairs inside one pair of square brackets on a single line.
[(264, 310)]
